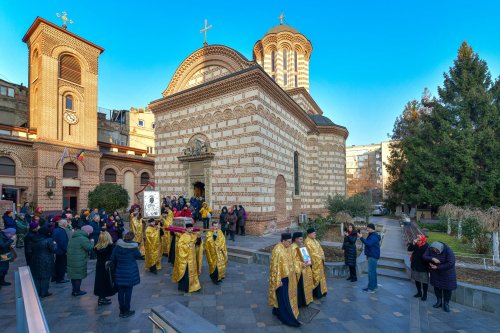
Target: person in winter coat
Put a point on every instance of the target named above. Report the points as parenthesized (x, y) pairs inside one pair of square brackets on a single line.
[(96, 230), (242, 218), (205, 212), (61, 238), (7, 239), (441, 261), (232, 222), (112, 228), (124, 256), (350, 255), (78, 252), (28, 240), (21, 229), (8, 220), (42, 264), (372, 252), (419, 267), (102, 282), (223, 220)]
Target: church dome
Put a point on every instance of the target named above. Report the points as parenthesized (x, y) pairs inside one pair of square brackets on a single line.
[(282, 28)]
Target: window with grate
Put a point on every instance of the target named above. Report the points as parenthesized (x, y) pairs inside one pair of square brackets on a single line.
[(69, 69), (7, 167), (284, 59), (110, 176), (273, 65), (144, 178), (70, 170), (296, 179)]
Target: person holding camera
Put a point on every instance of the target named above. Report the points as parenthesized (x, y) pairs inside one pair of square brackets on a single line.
[(372, 252), (419, 268), (349, 247)]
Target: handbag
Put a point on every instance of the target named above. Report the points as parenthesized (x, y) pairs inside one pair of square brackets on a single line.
[(110, 270)]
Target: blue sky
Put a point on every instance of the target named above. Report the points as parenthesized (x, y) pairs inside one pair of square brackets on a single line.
[(369, 57)]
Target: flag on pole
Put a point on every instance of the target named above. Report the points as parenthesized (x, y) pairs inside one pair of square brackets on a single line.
[(80, 155), (64, 154)]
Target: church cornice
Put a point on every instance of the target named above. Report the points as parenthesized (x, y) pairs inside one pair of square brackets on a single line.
[(307, 96)]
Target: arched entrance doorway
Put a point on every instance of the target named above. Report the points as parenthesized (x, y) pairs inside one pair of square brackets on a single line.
[(280, 201), (199, 189)]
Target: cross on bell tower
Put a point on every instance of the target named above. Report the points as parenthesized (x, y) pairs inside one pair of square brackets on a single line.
[(204, 31)]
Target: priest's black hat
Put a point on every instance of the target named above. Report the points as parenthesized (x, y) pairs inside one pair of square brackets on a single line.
[(286, 236), (297, 234), (310, 230)]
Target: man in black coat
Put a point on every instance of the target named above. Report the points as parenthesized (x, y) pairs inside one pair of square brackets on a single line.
[(7, 238), (43, 247)]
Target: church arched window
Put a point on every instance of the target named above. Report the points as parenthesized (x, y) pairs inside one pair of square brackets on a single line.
[(295, 60), (144, 178), (110, 175), (69, 69), (285, 79), (273, 63), (7, 167), (68, 103), (284, 60), (296, 178), (70, 170), (35, 62)]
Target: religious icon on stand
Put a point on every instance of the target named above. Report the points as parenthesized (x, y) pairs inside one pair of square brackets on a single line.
[(152, 204)]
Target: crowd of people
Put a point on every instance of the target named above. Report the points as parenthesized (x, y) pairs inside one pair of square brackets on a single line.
[(61, 245)]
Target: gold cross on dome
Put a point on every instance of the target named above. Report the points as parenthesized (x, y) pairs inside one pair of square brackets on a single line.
[(65, 19), (204, 31), (281, 18)]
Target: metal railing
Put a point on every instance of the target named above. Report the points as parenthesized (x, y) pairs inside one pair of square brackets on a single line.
[(29, 312)]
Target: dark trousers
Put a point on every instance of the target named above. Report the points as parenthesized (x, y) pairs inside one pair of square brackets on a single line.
[(60, 267), (425, 286), (124, 297), (231, 235), (76, 284), (352, 272), (443, 294), (205, 223), (242, 230), (42, 286)]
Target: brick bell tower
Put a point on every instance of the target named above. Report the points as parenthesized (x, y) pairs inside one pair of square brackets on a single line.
[(63, 70)]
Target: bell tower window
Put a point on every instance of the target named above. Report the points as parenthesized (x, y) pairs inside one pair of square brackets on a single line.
[(68, 103), (273, 64), (69, 69)]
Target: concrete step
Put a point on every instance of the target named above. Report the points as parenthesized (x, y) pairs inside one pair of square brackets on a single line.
[(392, 265), (240, 258), (392, 257), (392, 274), (239, 250)]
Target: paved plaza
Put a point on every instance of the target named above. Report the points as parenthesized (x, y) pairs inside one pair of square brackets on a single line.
[(240, 305)]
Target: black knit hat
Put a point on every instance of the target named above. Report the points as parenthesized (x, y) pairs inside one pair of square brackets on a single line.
[(310, 230), (296, 235), (286, 236), (371, 226)]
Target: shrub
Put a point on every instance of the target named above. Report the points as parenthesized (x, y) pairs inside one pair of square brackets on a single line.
[(439, 227), (320, 224), (474, 233), (109, 197), (357, 206)]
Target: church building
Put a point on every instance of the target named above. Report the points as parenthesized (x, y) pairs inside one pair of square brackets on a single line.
[(248, 132), (45, 126)]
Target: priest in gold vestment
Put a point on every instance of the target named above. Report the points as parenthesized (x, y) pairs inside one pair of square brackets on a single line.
[(318, 263), (138, 229), (283, 283), (167, 218), (153, 247), (216, 251), (188, 260), (303, 271)]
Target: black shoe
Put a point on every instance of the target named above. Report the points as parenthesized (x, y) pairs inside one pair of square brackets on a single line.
[(439, 303), (419, 294), (127, 314), (78, 293), (446, 307), (62, 281), (424, 297), (3, 283), (349, 278), (46, 295), (103, 301), (354, 279)]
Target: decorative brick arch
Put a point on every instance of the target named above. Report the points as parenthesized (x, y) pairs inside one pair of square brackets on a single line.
[(280, 200), (212, 55)]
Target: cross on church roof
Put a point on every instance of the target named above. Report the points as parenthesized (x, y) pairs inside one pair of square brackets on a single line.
[(204, 31), (281, 18), (64, 18)]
